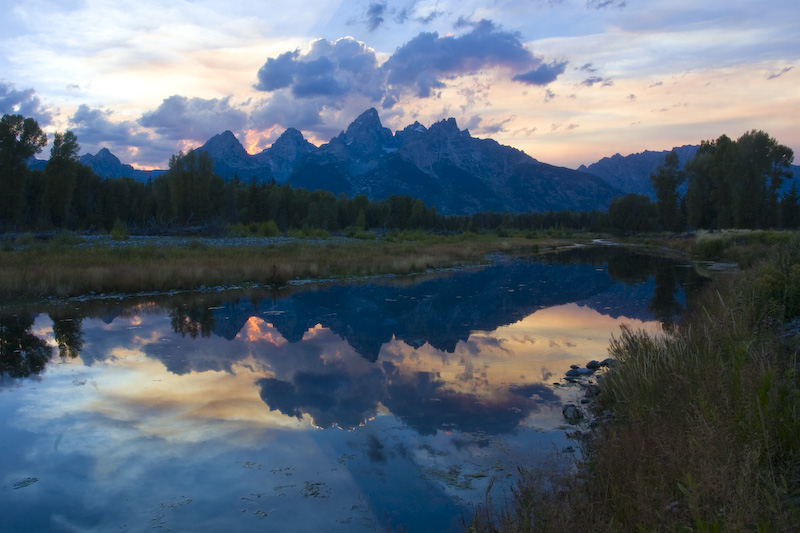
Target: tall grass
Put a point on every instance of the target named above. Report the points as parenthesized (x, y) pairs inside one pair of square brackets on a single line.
[(59, 269), (705, 434)]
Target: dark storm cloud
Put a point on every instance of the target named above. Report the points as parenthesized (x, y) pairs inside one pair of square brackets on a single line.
[(197, 119), (543, 75), (24, 102)]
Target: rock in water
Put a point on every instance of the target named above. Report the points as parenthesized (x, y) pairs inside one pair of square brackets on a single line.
[(572, 413)]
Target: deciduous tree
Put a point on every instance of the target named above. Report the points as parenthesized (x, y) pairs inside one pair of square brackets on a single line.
[(20, 139), (60, 176), (666, 180)]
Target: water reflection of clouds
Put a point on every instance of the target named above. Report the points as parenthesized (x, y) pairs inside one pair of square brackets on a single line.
[(492, 382), (438, 396)]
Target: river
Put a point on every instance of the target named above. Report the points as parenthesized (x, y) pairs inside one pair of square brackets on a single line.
[(378, 405)]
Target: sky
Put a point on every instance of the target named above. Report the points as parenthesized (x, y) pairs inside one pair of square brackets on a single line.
[(567, 81)]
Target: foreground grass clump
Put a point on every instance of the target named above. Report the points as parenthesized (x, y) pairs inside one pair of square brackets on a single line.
[(62, 268), (706, 428)]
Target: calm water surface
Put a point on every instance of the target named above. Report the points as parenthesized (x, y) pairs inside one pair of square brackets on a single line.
[(323, 407)]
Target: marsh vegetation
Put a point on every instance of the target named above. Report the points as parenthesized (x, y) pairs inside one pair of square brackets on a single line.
[(705, 426)]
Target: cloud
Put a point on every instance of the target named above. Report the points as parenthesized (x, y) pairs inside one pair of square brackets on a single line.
[(95, 129), (544, 74), (281, 108), (555, 127), (527, 132), (333, 76), (197, 119), (601, 4), (24, 102), (93, 126), (375, 14), (591, 81), (328, 70), (422, 63), (773, 75), (475, 124), (331, 397), (463, 22)]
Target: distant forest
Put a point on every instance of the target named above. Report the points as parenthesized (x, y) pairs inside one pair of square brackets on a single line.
[(731, 184)]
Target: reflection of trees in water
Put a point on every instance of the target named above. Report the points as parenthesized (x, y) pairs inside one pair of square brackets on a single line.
[(664, 305), (21, 352), (632, 268), (67, 332), (192, 320)]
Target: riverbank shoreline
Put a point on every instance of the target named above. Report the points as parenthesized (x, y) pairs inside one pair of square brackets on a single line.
[(701, 423), (81, 267)]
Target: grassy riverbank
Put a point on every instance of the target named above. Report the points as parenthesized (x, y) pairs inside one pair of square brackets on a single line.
[(705, 432), (70, 266)]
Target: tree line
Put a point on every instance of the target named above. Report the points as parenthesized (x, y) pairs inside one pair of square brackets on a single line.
[(730, 184)]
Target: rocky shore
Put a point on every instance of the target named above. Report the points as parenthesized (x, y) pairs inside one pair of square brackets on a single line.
[(585, 415)]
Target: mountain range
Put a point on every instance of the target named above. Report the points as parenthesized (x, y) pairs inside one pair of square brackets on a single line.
[(632, 173), (442, 165)]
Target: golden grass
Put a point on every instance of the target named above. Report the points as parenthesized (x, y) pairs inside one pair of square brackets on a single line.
[(55, 270)]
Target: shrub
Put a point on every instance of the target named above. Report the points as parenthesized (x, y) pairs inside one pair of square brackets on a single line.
[(67, 238), (26, 239), (268, 229), (120, 231), (712, 247)]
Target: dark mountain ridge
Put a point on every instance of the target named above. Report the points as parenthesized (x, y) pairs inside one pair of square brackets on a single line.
[(631, 173), (106, 165), (442, 165)]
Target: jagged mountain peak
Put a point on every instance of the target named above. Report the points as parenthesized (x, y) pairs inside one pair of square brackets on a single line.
[(448, 125), (292, 139), (370, 116), (106, 164), (103, 156), (224, 144), (367, 130)]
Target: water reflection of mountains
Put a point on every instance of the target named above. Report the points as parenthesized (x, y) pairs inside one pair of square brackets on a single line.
[(444, 311), (440, 311)]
